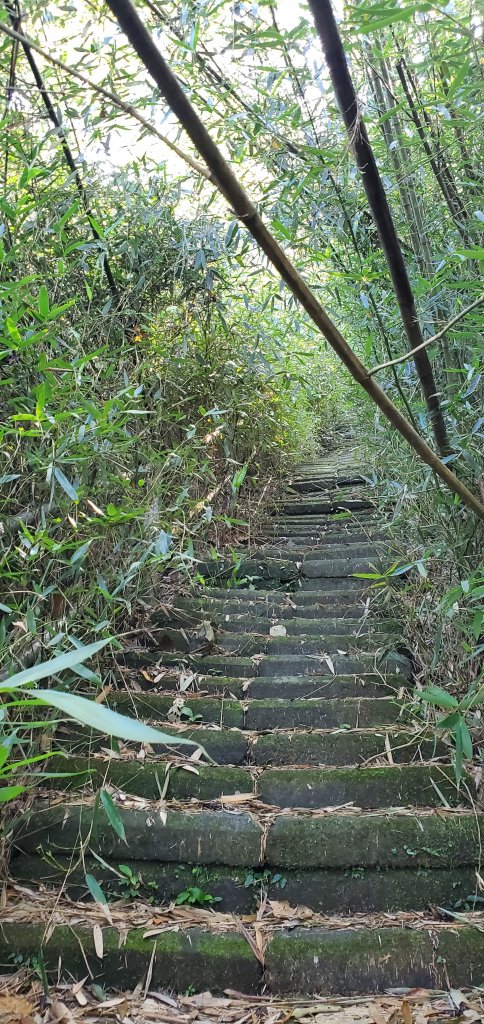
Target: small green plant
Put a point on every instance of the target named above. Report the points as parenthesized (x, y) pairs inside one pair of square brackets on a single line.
[(135, 886), (263, 879), (188, 715), (193, 896)]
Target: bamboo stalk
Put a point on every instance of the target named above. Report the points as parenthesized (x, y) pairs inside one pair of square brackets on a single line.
[(348, 103), (232, 190), (66, 150)]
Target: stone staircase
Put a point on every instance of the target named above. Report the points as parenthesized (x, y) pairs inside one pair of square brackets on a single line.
[(325, 839)]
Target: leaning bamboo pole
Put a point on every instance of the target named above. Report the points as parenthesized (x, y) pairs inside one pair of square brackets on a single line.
[(234, 193)]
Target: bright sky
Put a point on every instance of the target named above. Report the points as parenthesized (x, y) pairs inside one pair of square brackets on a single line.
[(125, 144)]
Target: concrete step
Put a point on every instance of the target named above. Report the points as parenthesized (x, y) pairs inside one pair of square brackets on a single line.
[(278, 748), (252, 714), (319, 482), (247, 622), (241, 891), (286, 570), (288, 687), (320, 506), (418, 785), (290, 841), (329, 590), (323, 960), (234, 641), (272, 664), (302, 553)]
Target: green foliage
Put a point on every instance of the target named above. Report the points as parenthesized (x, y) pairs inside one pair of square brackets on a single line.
[(80, 709), (196, 897), (135, 885)]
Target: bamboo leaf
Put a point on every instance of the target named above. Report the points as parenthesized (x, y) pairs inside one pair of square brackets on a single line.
[(95, 889), (65, 484), (96, 716), (113, 815), (54, 666)]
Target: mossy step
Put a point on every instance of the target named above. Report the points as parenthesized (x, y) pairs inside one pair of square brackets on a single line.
[(331, 590), (292, 841), (322, 550), (263, 569), (149, 777), (333, 567), (299, 961), (175, 958), (334, 530), (286, 570), (270, 604), (305, 536), (349, 587), (420, 785), (288, 687), (272, 665), (335, 748), (241, 621), (319, 482), (335, 518), (251, 637), (224, 746), (196, 837), (239, 891), (249, 644), (418, 840), (353, 747), (367, 960), (343, 587), (256, 715), (320, 506)]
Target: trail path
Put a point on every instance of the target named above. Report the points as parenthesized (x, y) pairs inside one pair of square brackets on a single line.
[(327, 832)]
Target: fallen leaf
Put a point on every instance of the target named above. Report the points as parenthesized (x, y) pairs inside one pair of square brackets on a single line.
[(283, 910), (13, 1008), (97, 935), (406, 1013), (185, 681), (60, 1013), (236, 798)]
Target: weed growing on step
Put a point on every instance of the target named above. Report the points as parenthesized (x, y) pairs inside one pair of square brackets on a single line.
[(134, 885), (193, 896)]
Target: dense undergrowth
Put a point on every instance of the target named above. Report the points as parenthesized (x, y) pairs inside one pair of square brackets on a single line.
[(136, 433)]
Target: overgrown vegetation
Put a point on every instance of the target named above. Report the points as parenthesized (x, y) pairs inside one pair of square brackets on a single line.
[(156, 374)]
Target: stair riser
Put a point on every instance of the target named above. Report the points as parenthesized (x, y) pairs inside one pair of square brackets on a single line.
[(411, 785), (288, 688), (356, 891), (323, 962), (277, 714), (360, 551), (279, 749), (270, 665), (248, 623), (289, 841)]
